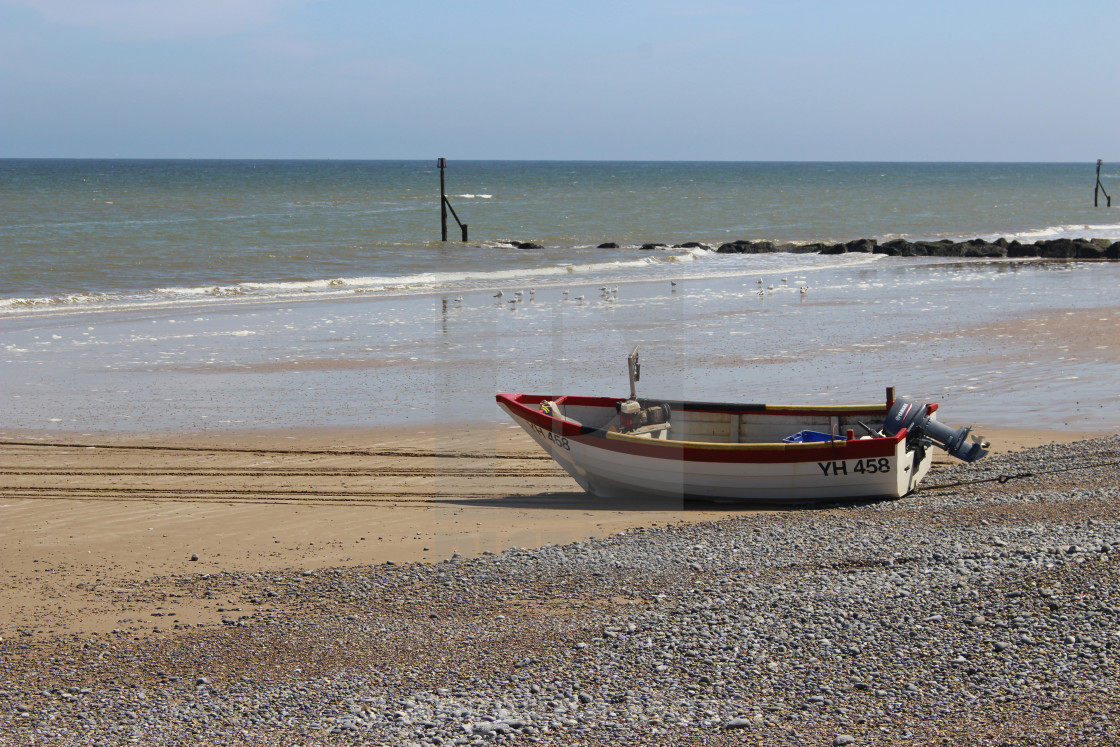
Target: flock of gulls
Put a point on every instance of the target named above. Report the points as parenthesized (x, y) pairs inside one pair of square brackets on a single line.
[(610, 293)]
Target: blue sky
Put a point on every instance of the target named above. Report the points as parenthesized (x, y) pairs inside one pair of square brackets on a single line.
[(974, 80)]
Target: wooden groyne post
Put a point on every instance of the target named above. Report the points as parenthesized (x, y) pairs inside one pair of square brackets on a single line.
[(1098, 187), (444, 205)]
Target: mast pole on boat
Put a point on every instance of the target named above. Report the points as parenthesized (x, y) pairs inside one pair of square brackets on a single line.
[(635, 369)]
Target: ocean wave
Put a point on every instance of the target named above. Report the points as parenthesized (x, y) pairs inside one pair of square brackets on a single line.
[(326, 288), (1024, 236), (1073, 231)]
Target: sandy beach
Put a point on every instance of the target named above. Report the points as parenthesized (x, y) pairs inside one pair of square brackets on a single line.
[(85, 517), (249, 591)]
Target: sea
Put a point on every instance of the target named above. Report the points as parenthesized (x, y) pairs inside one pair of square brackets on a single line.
[(184, 296)]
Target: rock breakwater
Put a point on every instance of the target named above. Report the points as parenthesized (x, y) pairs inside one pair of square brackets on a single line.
[(975, 248)]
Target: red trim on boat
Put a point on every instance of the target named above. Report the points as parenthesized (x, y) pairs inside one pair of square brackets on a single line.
[(525, 407)]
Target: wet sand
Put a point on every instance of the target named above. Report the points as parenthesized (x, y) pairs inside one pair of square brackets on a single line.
[(94, 529)]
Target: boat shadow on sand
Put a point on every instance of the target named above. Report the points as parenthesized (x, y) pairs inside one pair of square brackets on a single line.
[(580, 501)]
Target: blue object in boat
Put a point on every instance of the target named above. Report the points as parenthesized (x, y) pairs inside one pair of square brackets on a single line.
[(807, 437)]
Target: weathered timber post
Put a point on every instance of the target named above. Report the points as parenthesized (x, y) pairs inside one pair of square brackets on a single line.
[(442, 164), (444, 205), (1100, 187)]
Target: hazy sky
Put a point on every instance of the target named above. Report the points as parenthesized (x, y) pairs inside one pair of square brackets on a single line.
[(973, 80)]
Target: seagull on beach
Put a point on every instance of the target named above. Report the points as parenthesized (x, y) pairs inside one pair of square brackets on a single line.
[(804, 289), (499, 294)]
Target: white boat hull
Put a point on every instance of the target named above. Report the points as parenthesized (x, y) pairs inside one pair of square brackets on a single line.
[(616, 465)]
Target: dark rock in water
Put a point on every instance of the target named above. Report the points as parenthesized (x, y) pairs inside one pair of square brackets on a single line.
[(895, 248), (1070, 249), (1113, 251), (743, 246), (981, 248), (692, 245), (866, 246), (608, 245), (1015, 250), (527, 245), (649, 247), (815, 248), (835, 249), (1055, 248), (1091, 249)]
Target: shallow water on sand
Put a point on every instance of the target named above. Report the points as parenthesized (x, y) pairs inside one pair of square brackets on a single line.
[(1008, 344)]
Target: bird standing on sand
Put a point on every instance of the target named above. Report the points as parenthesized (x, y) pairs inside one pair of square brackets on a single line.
[(499, 294)]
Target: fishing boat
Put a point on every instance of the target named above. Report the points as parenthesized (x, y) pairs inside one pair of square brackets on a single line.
[(641, 448)]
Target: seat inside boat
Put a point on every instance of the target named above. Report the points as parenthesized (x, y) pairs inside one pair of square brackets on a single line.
[(708, 423)]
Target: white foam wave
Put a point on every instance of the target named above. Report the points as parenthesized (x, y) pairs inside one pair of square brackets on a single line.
[(325, 288), (1070, 231)]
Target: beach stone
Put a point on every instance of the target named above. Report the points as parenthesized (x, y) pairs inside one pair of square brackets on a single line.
[(738, 723), (842, 739)]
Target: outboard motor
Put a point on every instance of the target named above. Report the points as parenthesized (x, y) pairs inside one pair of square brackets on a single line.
[(918, 422)]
